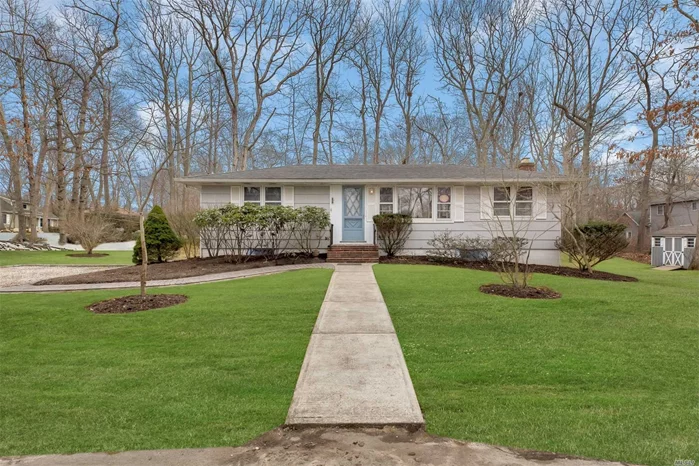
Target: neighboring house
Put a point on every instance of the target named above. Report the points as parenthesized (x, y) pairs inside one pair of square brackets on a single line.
[(632, 220), (8, 218), (674, 243), (470, 201)]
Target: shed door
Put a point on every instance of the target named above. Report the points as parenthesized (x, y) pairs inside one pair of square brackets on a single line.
[(673, 253)]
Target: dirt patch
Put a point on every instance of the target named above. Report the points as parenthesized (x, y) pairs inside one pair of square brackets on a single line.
[(636, 257), (136, 303), (489, 267), (328, 446), (176, 269), (86, 255), (529, 292)]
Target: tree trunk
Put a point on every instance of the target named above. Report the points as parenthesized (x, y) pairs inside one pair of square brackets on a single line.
[(641, 245), (144, 255)]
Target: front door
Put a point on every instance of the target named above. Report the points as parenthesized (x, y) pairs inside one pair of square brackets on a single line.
[(673, 253), (352, 213)]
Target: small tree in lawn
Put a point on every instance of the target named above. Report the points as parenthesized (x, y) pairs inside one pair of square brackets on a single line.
[(161, 241), (392, 231), (588, 245), (89, 232)]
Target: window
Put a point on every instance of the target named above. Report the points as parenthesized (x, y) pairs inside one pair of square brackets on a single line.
[(252, 195), (660, 209), (416, 202), (444, 203), (691, 242), (501, 204), (524, 202), (657, 242), (273, 195), (628, 234), (270, 195), (695, 205), (385, 200)]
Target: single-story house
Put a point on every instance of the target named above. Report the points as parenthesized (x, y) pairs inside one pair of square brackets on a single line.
[(8, 218), (468, 201), (674, 229)]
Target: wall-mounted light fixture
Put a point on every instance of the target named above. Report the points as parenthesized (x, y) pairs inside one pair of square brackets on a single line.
[(371, 190)]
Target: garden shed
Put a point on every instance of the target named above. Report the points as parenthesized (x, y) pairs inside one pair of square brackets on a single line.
[(674, 246)]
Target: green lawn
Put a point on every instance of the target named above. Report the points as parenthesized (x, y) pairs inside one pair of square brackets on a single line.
[(217, 370), (610, 371), (61, 257)]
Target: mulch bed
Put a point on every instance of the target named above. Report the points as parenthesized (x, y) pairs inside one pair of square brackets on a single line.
[(86, 255), (636, 257), (135, 303), (529, 292), (489, 267), (175, 269)]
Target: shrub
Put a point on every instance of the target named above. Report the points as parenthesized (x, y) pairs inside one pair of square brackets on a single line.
[(588, 245), (447, 248), (239, 232), (161, 242), (392, 231), (506, 254), (309, 229), (90, 231), (187, 230)]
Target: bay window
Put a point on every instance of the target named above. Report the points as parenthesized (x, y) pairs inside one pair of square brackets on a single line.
[(420, 202), (258, 195)]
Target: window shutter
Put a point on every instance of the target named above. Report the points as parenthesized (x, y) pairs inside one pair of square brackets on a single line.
[(288, 196), (236, 195), (458, 203), (540, 203), (371, 203), (486, 203)]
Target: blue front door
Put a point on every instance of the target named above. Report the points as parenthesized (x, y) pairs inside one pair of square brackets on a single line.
[(352, 213)]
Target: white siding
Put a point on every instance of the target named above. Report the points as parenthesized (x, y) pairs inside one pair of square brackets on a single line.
[(317, 196), (214, 196), (468, 216)]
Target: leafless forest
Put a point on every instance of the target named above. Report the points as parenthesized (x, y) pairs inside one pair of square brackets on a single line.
[(104, 103)]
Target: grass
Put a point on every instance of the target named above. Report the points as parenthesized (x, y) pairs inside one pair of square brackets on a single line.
[(61, 257), (608, 371), (217, 370)]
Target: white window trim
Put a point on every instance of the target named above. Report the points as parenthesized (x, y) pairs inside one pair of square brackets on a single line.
[(513, 202), (433, 219), (263, 188)]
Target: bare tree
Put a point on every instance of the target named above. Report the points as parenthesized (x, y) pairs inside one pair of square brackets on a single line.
[(256, 39), (332, 25), (482, 48), (660, 71), (586, 40)]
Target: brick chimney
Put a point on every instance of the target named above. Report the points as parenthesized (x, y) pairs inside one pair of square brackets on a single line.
[(527, 164)]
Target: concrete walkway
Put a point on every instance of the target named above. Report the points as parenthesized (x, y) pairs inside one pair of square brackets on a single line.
[(214, 277), (354, 373)]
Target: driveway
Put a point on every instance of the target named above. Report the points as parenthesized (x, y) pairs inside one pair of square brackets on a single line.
[(52, 239)]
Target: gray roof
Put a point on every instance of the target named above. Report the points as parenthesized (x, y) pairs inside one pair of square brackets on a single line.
[(691, 195), (634, 215), (680, 230), (374, 173)]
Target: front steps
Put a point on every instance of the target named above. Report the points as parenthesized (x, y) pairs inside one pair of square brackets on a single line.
[(353, 253)]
